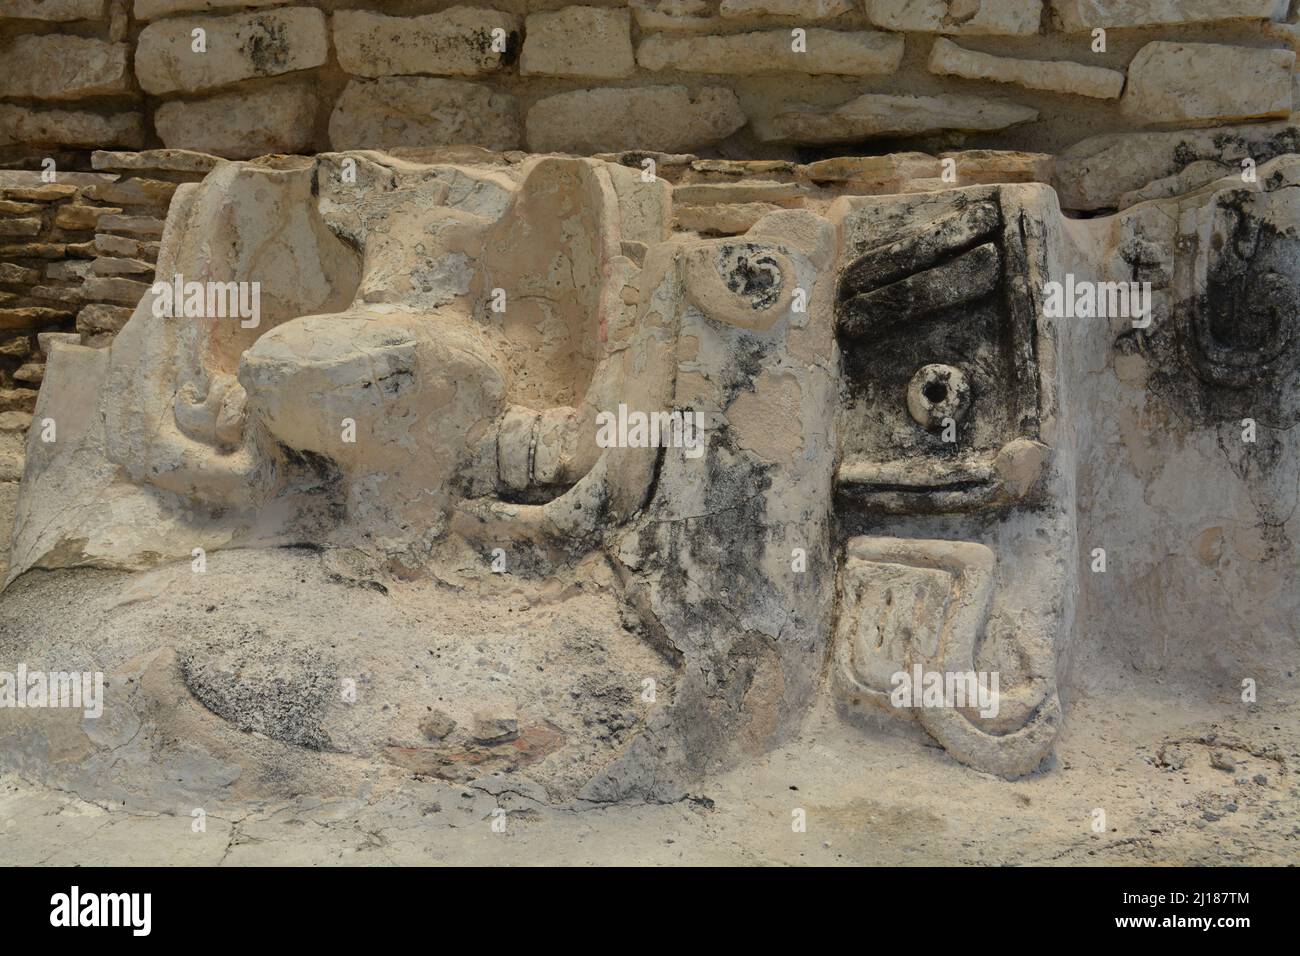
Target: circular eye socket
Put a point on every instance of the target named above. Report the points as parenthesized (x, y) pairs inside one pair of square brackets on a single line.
[(750, 272), (937, 392)]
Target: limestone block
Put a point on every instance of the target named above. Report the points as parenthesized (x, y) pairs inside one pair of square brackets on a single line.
[(152, 9), (959, 17), (69, 295), (17, 346), (418, 111), (115, 289), (1287, 32), (132, 225), (54, 10), (579, 42), (11, 274), (743, 167), (890, 173), (17, 399), (1057, 76), (110, 266), (99, 318), (664, 118), (827, 51), (32, 179), (44, 193), (34, 250), (75, 216), (975, 166), (1077, 16), (1181, 83), (70, 270), (11, 450), (155, 160), (109, 245), (803, 9), (278, 119), (675, 15), (9, 208), (47, 340), (36, 127), (29, 373), (28, 317), (238, 48), (723, 219), (455, 42), (743, 191), (135, 191), (19, 227), (54, 67), (881, 114)]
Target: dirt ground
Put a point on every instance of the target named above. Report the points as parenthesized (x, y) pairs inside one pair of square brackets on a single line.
[(1181, 780)]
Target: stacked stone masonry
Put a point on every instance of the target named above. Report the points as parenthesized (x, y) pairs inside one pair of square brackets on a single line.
[(740, 78)]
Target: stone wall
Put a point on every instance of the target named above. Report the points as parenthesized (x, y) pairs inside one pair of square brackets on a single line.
[(76, 255), (727, 77)]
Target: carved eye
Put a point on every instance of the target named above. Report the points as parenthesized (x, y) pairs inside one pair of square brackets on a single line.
[(740, 283), (751, 273), (937, 392)]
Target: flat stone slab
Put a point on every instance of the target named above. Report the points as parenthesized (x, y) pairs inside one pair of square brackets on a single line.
[(152, 9), (36, 127), (883, 114), (803, 9), (961, 17), (665, 118), (160, 160), (725, 219), (840, 52), (54, 67), (1083, 16), (1057, 76)]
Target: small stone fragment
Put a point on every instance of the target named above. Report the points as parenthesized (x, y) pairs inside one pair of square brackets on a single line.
[(496, 723), (436, 725)]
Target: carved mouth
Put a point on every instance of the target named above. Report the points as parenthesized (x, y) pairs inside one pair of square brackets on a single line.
[(926, 605), (900, 487)]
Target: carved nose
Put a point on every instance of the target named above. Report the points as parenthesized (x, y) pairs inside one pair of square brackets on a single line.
[(389, 376)]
